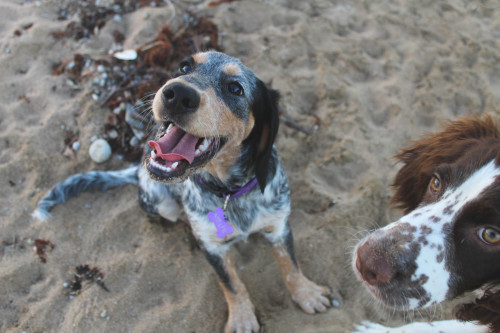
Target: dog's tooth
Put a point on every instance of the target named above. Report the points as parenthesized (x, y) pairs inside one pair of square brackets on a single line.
[(169, 128), (175, 165), (197, 152), (153, 153), (204, 145), (168, 169)]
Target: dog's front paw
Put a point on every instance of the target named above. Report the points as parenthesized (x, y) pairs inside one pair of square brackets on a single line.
[(309, 296), (242, 319)]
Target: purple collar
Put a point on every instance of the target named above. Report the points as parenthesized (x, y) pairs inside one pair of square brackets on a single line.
[(233, 193)]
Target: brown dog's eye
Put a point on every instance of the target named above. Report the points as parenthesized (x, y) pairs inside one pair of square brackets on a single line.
[(435, 185), (489, 235), (235, 89)]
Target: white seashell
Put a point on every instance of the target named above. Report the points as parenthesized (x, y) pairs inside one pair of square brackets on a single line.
[(126, 55), (100, 151)]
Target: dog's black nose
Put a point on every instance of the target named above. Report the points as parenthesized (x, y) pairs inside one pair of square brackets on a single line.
[(179, 98)]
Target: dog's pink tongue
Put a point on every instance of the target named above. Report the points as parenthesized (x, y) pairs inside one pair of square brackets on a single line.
[(175, 145)]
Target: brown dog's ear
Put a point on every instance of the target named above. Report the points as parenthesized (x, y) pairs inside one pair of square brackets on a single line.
[(422, 157), (412, 179), (261, 139)]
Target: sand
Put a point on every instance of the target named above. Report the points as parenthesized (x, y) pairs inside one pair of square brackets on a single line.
[(365, 76)]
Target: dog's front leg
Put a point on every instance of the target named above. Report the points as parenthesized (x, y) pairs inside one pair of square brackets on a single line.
[(241, 311), (307, 294)]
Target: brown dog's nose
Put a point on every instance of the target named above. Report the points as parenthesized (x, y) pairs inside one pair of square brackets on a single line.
[(179, 98), (374, 266)]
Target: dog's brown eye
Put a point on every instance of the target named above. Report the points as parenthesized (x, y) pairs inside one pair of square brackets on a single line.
[(489, 236), (235, 88), (435, 185)]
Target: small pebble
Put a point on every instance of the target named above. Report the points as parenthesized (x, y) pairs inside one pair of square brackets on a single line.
[(206, 40), (65, 284), (113, 134), (100, 151), (76, 145), (335, 303), (134, 142), (103, 314)]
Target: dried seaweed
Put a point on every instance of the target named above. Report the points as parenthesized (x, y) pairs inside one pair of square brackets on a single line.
[(123, 86), (42, 247), (219, 2), (85, 274), (92, 15)]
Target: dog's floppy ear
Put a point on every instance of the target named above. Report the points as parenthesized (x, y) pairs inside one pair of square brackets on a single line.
[(412, 179), (422, 157), (261, 139)]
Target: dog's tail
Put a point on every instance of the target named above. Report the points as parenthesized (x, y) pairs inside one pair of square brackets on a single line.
[(88, 181)]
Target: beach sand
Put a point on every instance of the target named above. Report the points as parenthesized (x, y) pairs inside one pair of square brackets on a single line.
[(364, 76)]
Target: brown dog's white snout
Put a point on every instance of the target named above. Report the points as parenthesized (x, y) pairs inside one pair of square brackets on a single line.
[(179, 98), (374, 267)]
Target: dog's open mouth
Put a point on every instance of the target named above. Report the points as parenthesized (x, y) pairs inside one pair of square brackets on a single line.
[(176, 154)]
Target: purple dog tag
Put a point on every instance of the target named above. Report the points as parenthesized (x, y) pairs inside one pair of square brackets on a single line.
[(219, 219)]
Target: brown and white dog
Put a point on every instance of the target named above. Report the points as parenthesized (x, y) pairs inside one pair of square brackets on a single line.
[(213, 154), (448, 243)]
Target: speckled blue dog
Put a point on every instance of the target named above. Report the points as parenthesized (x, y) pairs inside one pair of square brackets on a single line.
[(213, 149)]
